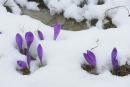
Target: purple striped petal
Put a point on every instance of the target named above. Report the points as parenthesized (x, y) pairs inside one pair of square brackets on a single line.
[(19, 41), (40, 52), (40, 34), (29, 38), (57, 28), (22, 64), (90, 58), (114, 58)]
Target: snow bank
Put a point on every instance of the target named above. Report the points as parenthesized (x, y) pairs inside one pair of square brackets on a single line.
[(13, 5), (73, 9), (64, 56)]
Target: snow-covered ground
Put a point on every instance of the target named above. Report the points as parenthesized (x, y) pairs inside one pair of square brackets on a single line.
[(72, 8), (65, 55)]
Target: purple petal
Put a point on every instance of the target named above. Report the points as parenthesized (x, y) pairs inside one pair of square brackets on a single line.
[(29, 38), (114, 53), (40, 34), (19, 41), (57, 28), (22, 64), (40, 52), (114, 58), (90, 58)]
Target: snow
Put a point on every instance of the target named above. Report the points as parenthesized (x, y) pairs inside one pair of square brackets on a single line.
[(72, 9), (64, 56), (13, 5), (32, 6)]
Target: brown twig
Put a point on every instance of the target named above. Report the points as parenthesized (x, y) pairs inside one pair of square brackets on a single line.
[(106, 12), (95, 46)]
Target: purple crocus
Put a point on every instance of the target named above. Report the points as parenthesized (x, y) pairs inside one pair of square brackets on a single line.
[(22, 64), (40, 34), (29, 38), (90, 58), (19, 41), (114, 58), (40, 52), (57, 28)]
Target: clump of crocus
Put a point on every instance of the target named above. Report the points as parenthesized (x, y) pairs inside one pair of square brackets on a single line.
[(40, 35), (57, 28), (117, 69), (40, 53), (29, 39), (23, 67), (19, 42), (91, 60)]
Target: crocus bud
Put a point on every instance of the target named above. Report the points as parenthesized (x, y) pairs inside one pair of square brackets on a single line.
[(40, 34), (22, 64), (40, 52), (90, 58), (114, 59), (29, 38), (57, 28), (19, 41)]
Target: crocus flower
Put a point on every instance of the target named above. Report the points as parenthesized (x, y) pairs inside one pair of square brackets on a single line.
[(114, 58), (22, 64), (19, 41), (90, 58), (28, 59), (57, 28), (29, 38), (40, 52), (40, 34)]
